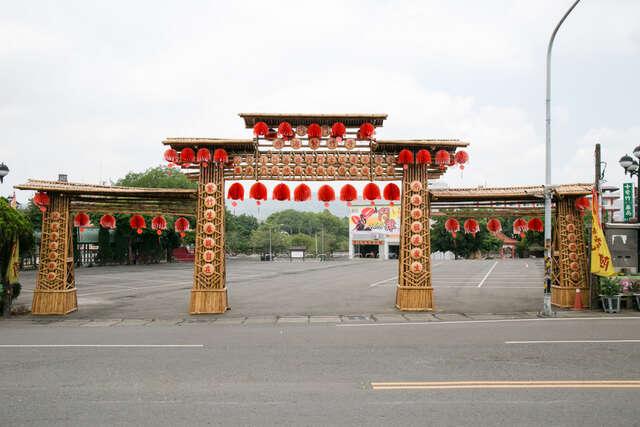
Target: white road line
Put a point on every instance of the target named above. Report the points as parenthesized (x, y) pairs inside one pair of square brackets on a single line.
[(487, 275), (457, 322), (101, 345), (382, 281), (572, 341)]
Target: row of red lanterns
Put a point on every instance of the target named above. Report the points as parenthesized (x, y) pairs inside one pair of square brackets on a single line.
[(520, 226), (442, 158), (137, 222), (326, 194), (188, 156), (338, 131)]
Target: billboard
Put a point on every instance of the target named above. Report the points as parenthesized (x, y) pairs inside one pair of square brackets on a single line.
[(378, 219), (627, 189)]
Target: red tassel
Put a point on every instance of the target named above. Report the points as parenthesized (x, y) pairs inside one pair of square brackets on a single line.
[(158, 223), (405, 157), (137, 221), (442, 158), (471, 226), (171, 155), (452, 225), (81, 220), (462, 157), (220, 155), (261, 129), (181, 225), (391, 192), (520, 226), (302, 193), (204, 156), (494, 225), (371, 192), (423, 157), (236, 191), (338, 130), (348, 193), (258, 191), (108, 221), (285, 131), (326, 194), (187, 155), (582, 203), (535, 224), (367, 131), (314, 131), (281, 192)]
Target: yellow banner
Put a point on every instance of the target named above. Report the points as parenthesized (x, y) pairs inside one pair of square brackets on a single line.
[(601, 263), (14, 264)]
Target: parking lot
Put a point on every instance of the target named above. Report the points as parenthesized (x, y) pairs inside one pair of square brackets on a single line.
[(360, 287)]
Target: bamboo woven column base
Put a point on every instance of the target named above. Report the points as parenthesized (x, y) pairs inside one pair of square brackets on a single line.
[(54, 302), (208, 301), (414, 298), (564, 296)]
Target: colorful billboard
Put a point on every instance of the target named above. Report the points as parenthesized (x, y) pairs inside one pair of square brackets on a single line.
[(378, 219)]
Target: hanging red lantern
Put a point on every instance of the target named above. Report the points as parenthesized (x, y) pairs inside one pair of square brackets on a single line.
[(348, 193), (520, 226), (302, 193), (471, 226), (371, 192), (108, 221), (281, 192), (41, 200), (158, 223), (423, 157), (220, 155), (366, 131), (171, 156), (203, 156), (314, 131), (187, 156), (582, 203), (81, 220), (258, 191), (260, 129), (285, 130), (326, 194), (461, 158), (535, 224), (442, 158), (137, 221), (494, 225), (452, 226), (391, 192), (338, 131), (405, 158), (236, 192), (181, 225)]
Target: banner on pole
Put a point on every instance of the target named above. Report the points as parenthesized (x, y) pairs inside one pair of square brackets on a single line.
[(14, 264), (627, 197), (601, 264)]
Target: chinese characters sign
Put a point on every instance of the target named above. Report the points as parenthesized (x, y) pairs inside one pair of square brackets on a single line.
[(627, 197)]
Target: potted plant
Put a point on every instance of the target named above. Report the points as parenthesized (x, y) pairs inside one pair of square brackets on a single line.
[(635, 290), (610, 294)]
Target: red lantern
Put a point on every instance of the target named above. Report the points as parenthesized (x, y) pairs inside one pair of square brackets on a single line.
[(41, 200), (258, 191), (582, 203), (442, 158), (371, 192), (423, 157), (348, 193), (338, 130), (181, 225), (494, 225), (220, 155), (108, 221), (326, 194), (260, 129), (405, 158), (81, 220), (520, 226), (461, 158), (471, 226), (367, 131), (171, 155), (391, 192), (535, 224), (281, 192), (452, 226), (158, 223), (302, 193), (204, 156), (285, 131), (236, 191), (137, 221), (187, 155), (314, 131)]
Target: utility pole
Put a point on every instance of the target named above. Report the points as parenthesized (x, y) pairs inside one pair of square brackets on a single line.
[(270, 253), (594, 291), (546, 307)]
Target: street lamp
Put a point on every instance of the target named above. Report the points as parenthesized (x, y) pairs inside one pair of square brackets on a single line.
[(4, 171), (630, 166)]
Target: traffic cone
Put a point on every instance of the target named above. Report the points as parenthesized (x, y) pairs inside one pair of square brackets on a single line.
[(577, 301)]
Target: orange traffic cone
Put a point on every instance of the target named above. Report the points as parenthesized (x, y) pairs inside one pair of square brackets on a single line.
[(577, 301)]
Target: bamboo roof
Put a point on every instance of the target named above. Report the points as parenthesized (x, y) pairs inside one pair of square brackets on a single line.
[(232, 145), (396, 145), (532, 193), (106, 190), (349, 120)]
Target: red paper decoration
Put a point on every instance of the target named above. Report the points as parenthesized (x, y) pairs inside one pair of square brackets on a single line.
[(520, 226), (302, 193), (181, 225), (452, 225), (326, 194), (171, 155), (371, 192), (42, 201), (187, 155), (582, 203), (203, 156), (348, 193), (423, 157), (158, 223), (236, 191), (405, 158), (314, 131), (535, 224), (81, 220), (391, 192), (367, 131), (258, 191), (471, 226), (108, 221), (281, 192), (285, 131), (442, 158), (260, 129), (220, 155), (494, 225), (461, 158), (137, 221), (338, 130)]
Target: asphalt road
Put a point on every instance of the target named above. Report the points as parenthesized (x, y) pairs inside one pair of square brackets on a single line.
[(361, 287), (323, 374)]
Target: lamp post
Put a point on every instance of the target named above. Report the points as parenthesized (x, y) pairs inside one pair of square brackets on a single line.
[(546, 306), (4, 171), (630, 166)]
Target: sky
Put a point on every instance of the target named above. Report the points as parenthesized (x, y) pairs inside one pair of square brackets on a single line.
[(91, 89)]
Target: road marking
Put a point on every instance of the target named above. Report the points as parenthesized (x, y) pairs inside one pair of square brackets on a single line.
[(448, 385), (507, 382), (487, 275), (101, 345), (572, 341), (452, 322), (382, 281)]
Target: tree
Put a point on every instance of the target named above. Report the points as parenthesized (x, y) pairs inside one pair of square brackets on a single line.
[(260, 239), (157, 177), (12, 223), (465, 243)]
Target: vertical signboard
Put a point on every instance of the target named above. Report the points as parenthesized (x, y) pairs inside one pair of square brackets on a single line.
[(627, 197)]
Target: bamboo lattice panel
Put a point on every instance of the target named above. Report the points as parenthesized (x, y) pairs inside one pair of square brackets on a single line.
[(55, 291), (209, 294), (569, 256)]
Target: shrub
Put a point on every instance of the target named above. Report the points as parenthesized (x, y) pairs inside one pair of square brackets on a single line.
[(609, 286)]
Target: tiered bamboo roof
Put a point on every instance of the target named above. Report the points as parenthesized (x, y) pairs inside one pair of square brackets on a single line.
[(349, 120)]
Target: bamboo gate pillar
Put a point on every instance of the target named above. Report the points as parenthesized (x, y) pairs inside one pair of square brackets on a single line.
[(55, 291), (414, 291), (569, 256), (209, 292)]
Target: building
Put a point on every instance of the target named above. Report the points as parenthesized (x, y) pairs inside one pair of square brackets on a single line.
[(374, 231)]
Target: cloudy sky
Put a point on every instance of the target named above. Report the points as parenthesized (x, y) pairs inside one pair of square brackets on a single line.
[(91, 88)]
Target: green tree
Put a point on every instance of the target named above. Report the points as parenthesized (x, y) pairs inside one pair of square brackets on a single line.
[(465, 243), (157, 177), (280, 241)]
